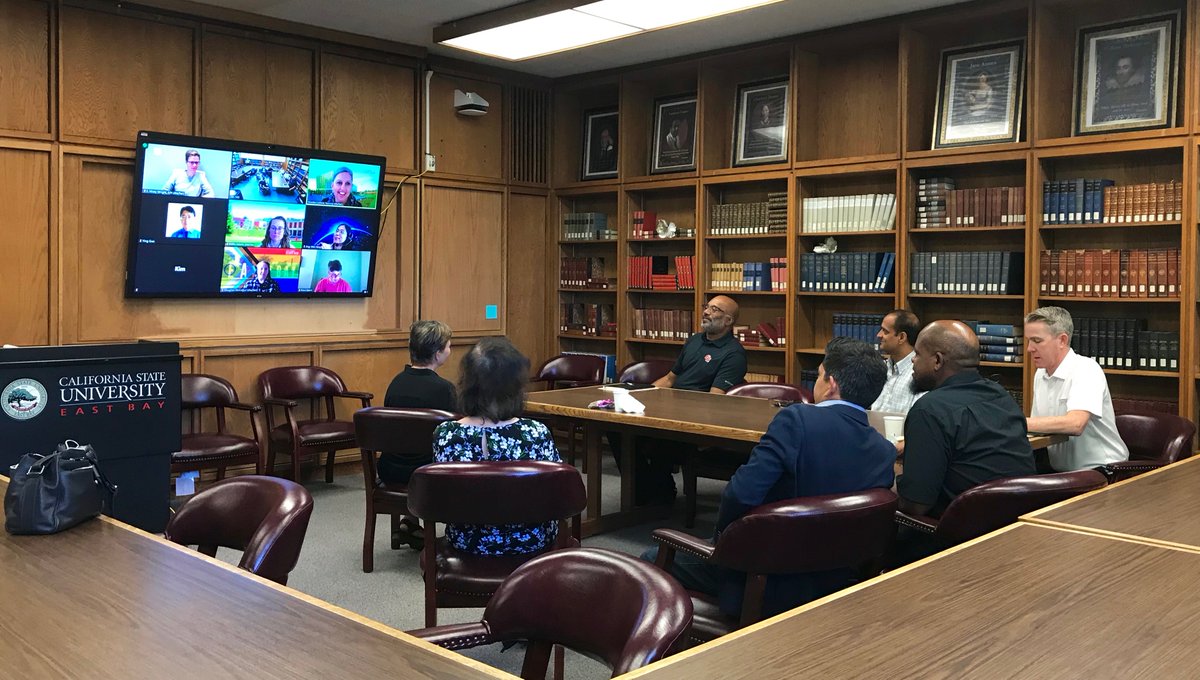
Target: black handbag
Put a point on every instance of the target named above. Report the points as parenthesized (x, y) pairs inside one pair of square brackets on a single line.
[(47, 494)]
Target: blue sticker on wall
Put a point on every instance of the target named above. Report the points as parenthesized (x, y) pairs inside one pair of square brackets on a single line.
[(491, 312)]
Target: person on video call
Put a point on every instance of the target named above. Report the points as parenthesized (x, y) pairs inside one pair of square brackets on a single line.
[(334, 283), (261, 282), (191, 180), (276, 233), (341, 192), (342, 239), (186, 215)]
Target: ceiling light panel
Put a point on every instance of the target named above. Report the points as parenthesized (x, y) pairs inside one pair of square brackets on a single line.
[(663, 13), (542, 35)]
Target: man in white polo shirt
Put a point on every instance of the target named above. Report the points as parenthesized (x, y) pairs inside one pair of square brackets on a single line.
[(1070, 395)]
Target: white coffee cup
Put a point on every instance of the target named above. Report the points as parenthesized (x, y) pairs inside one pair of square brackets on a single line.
[(893, 428)]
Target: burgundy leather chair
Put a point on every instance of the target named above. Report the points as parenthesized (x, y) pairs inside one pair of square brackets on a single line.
[(718, 463), (998, 503), (203, 450), (614, 607), (646, 372), (1154, 440), (509, 492), (817, 533), (571, 370), (284, 387), (265, 517), (397, 430)]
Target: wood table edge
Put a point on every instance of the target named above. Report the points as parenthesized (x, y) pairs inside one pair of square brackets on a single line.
[(1039, 513)]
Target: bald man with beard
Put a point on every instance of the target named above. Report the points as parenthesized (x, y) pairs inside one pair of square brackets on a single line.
[(966, 431)]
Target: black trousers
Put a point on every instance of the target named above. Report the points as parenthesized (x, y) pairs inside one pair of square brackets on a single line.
[(653, 459)]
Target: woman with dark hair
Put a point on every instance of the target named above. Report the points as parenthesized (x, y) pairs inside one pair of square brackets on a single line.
[(277, 233), (491, 392)]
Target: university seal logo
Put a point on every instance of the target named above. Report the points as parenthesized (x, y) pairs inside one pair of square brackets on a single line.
[(23, 399)]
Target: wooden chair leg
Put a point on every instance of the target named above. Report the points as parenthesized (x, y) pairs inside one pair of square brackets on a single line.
[(296, 465), (271, 461), (394, 525), (329, 466), (537, 659), (369, 538), (430, 578), (220, 472), (559, 662)]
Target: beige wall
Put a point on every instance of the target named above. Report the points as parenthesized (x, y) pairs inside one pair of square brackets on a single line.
[(79, 78)]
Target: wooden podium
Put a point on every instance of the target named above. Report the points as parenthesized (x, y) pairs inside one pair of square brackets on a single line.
[(123, 399)]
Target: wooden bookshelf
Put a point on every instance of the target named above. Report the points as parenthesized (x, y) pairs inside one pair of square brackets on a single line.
[(862, 110)]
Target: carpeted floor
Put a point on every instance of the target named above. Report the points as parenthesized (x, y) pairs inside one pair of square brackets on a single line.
[(330, 566)]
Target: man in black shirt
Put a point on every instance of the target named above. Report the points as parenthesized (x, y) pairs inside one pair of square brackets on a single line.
[(711, 361), (966, 431), (418, 386)]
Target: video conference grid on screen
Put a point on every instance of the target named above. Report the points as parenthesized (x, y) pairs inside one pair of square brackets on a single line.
[(221, 222)]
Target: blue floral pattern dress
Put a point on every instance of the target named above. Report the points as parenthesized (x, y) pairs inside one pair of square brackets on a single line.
[(523, 440)]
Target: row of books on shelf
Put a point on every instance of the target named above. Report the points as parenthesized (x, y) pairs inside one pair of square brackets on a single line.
[(588, 319), (765, 217), (587, 226), (1101, 201), (653, 272), (847, 272), (1001, 343), (862, 212), (1125, 273), (584, 272), (750, 276), (645, 225), (856, 325), (662, 324), (940, 205), (987, 272), (1126, 344), (762, 334)]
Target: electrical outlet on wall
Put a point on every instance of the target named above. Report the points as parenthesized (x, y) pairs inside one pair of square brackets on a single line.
[(430, 162)]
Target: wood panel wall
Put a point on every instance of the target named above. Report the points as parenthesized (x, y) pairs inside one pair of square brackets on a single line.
[(79, 78)]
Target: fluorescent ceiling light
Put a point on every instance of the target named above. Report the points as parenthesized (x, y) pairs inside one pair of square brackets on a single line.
[(663, 13), (542, 35), (585, 24)]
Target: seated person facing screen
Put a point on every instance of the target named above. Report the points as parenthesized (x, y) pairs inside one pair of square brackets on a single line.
[(711, 361), (966, 431), (261, 282), (341, 191), (897, 332), (277, 235), (191, 180), (418, 386), (333, 283), (1070, 395), (186, 214), (807, 450), (491, 390)]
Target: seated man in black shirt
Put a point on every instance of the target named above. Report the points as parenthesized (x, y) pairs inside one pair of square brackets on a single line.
[(418, 386), (711, 361), (966, 431)]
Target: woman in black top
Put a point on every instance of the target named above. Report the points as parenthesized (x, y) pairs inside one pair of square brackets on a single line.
[(418, 386)]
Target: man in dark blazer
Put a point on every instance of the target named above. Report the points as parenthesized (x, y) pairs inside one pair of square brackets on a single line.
[(807, 450)]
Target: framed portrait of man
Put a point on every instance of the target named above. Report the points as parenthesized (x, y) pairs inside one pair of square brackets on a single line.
[(1126, 75), (674, 146), (760, 129), (981, 91), (599, 144)]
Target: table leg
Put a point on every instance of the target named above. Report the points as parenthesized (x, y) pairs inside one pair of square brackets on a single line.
[(628, 470), (591, 451)]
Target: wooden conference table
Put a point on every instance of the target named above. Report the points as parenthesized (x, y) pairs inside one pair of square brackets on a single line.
[(698, 417), (106, 600), (1159, 507), (1027, 601)]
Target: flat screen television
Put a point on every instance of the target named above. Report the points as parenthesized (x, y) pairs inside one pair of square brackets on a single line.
[(223, 219)]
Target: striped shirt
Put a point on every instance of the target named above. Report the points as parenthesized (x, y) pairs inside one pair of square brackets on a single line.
[(897, 395)]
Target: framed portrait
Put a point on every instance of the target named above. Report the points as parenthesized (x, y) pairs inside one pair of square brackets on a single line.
[(599, 144), (674, 147), (1126, 75), (981, 91), (760, 125)]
